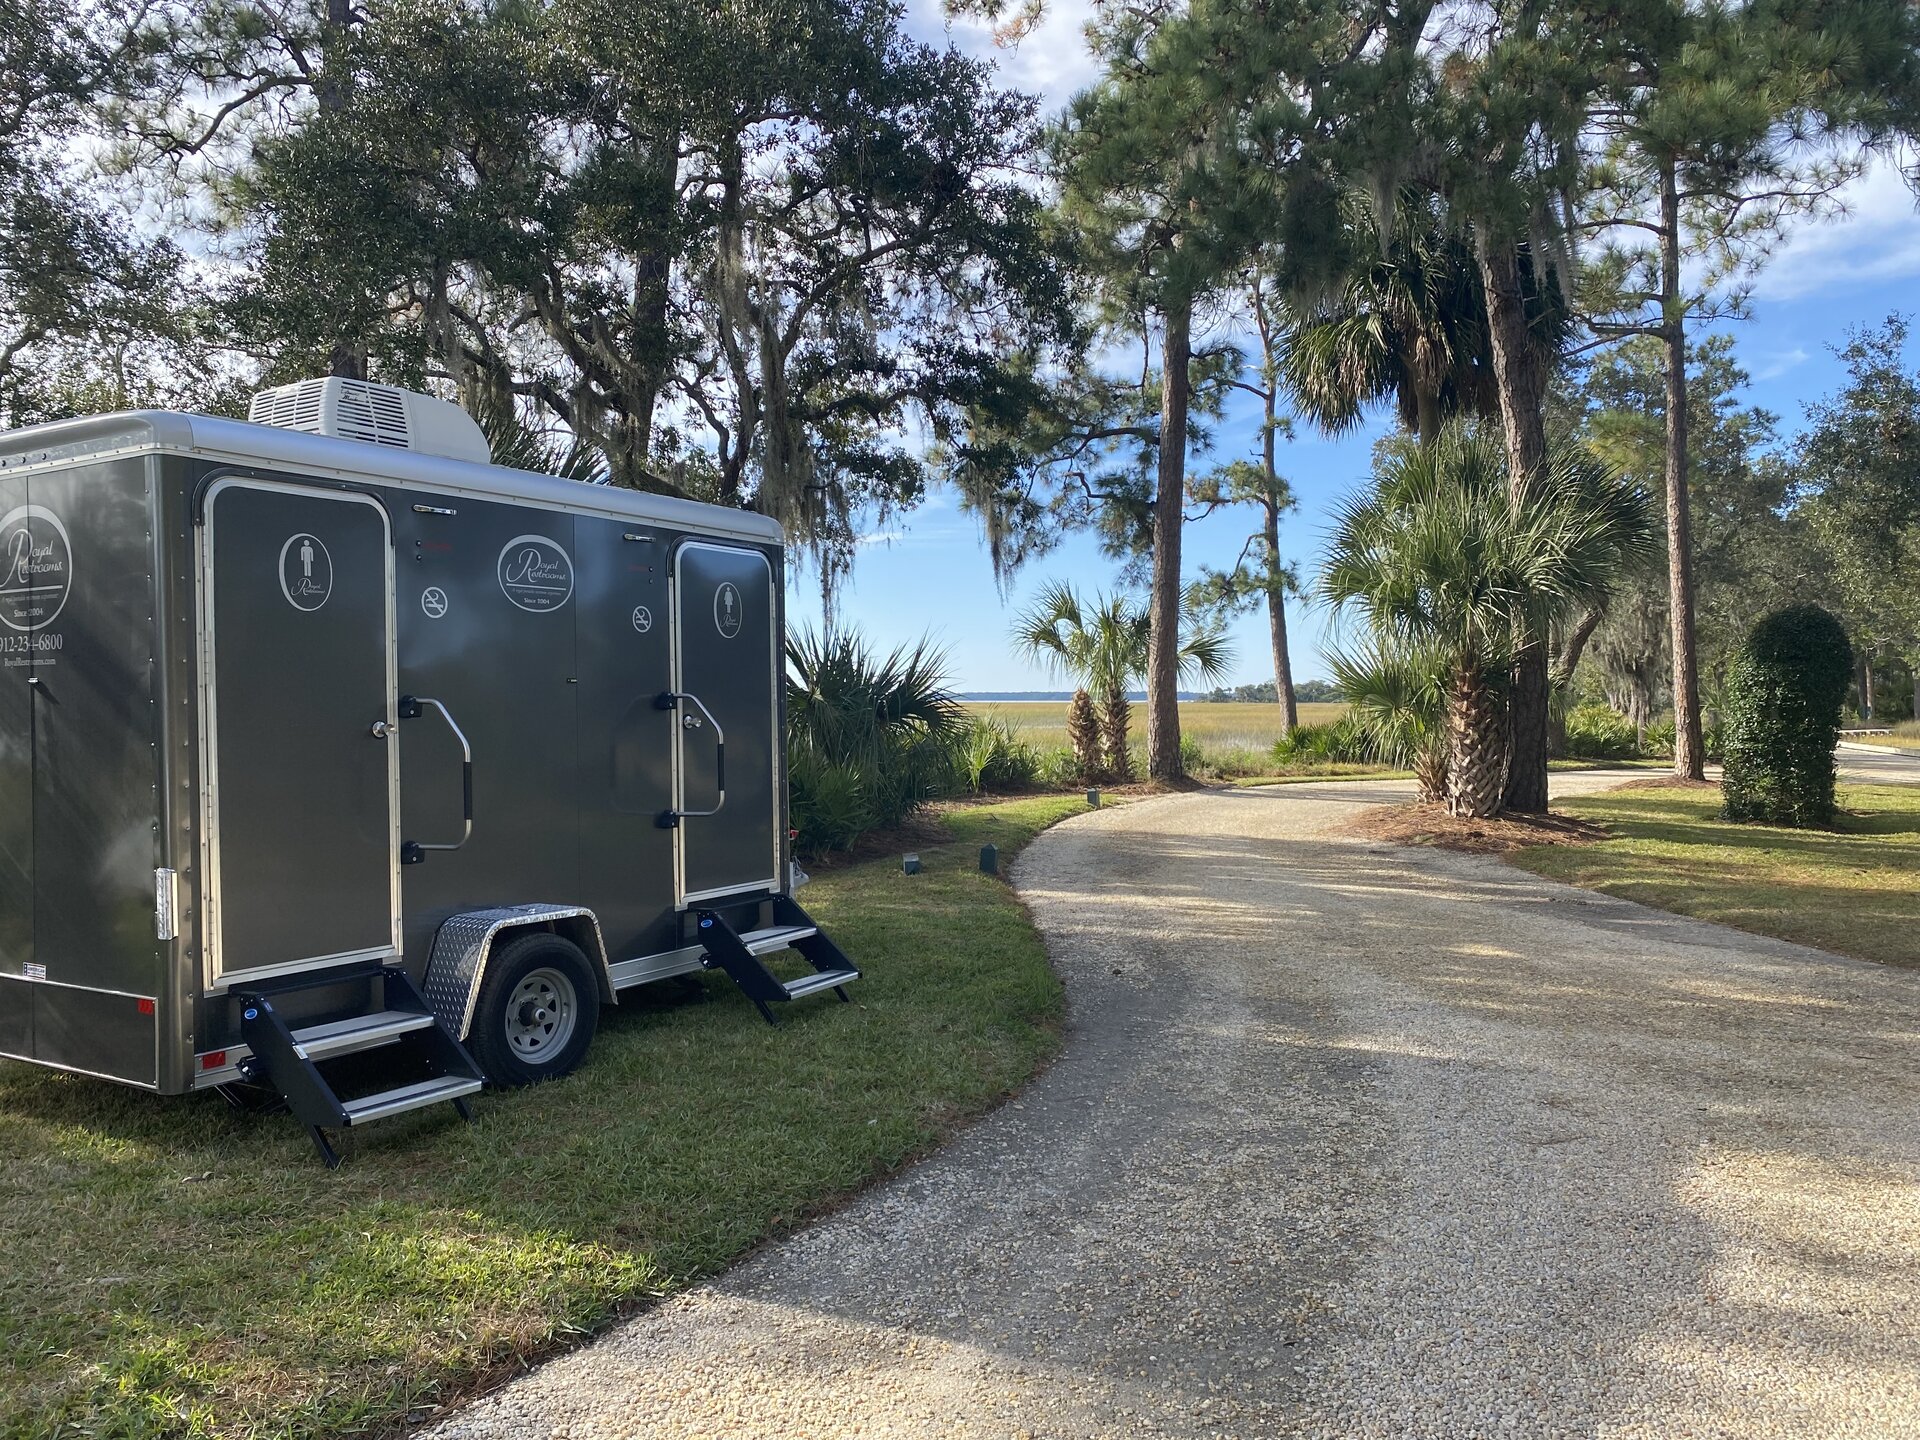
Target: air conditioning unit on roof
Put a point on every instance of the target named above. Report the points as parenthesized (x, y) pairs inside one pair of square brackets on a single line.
[(376, 414)]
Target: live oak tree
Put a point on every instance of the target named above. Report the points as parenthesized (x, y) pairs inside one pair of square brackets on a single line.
[(80, 288), (753, 253)]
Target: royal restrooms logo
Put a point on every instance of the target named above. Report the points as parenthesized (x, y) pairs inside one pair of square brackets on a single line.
[(36, 568), (535, 573)]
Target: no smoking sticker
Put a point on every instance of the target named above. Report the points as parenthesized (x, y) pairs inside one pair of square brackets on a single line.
[(642, 619)]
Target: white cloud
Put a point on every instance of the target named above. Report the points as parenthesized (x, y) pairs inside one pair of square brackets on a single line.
[(1771, 365), (1876, 240), (1051, 62)]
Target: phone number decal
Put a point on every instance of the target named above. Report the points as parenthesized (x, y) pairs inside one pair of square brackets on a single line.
[(31, 644)]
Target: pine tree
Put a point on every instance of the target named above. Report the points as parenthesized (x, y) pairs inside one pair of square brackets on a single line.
[(1721, 124)]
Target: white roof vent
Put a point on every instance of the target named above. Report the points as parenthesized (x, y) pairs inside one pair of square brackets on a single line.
[(377, 414)]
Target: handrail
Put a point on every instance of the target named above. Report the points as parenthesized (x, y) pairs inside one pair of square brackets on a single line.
[(410, 709), (671, 700)]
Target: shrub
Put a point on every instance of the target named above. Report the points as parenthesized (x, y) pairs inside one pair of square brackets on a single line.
[(1058, 768), (1595, 732), (988, 756), (1780, 717), (869, 739), (1341, 742)]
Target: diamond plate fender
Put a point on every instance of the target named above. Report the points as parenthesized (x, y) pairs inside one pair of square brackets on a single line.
[(458, 965)]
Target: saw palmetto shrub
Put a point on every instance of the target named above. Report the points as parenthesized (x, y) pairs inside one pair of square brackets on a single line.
[(870, 738), (1780, 717)]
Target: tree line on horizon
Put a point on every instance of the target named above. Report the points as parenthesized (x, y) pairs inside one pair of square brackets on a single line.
[(791, 258)]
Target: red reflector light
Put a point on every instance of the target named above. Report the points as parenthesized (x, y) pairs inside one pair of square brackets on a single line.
[(213, 1059), (146, 1007)]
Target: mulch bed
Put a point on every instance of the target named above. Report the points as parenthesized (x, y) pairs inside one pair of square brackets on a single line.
[(1431, 825)]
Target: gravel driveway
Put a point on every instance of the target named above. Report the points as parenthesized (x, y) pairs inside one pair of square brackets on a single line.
[(1347, 1141)]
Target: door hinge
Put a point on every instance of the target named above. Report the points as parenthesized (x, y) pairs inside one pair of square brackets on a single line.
[(166, 905)]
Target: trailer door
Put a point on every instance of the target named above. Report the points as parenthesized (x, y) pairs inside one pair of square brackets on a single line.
[(297, 639), (17, 629), (726, 661)]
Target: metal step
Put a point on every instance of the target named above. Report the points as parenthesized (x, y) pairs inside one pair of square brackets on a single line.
[(825, 980), (776, 937), (409, 1097), (358, 1032)]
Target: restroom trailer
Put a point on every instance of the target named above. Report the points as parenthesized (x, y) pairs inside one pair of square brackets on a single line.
[(338, 761)]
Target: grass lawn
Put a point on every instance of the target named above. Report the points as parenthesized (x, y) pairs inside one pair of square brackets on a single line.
[(1854, 891), (169, 1267)]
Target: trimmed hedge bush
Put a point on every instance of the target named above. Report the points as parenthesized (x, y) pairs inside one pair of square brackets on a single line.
[(1780, 717)]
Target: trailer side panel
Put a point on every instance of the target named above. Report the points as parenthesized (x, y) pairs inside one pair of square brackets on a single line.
[(16, 761), (95, 770)]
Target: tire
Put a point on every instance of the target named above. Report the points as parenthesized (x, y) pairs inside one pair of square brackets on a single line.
[(539, 1007)]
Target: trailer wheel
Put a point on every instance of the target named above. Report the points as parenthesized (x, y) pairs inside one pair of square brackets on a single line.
[(538, 1009)]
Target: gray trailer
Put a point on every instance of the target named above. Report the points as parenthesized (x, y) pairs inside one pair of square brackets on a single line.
[(337, 761)]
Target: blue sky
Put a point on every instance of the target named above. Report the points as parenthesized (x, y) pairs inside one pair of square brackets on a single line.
[(928, 574)]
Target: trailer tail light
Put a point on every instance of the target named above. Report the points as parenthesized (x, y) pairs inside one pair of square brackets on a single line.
[(213, 1059), (146, 1007)]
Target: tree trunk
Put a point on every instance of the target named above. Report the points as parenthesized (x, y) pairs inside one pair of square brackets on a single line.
[(1083, 734), (1270, 517), (1276, 589), (1529, 708), (1169, 512), (1520, 379), (1430, 774), (1427, 408), (1866, 687), (1116, 715), (1476, 736), (1689, 752)]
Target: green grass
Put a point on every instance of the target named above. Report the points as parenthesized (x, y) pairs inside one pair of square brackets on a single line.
[(1854, 890), (169, 1267)]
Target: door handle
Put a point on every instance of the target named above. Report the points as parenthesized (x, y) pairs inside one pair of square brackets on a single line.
[(412, 852), (673, 700), (380, 730)]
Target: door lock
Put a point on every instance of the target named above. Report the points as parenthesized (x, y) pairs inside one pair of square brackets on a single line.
[(380, 729), (690, 722)]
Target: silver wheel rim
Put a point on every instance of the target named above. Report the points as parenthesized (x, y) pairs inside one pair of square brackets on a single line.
[(541, 1014)]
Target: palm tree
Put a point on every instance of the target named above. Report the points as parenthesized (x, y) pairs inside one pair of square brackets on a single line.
[(1444, 564), (1398, 316), (1102, 644), (1399, 706)]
